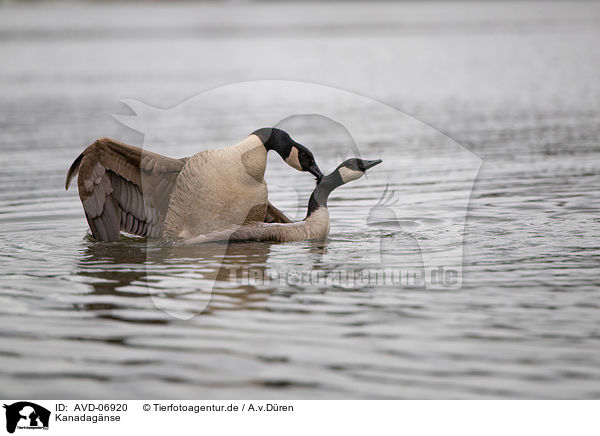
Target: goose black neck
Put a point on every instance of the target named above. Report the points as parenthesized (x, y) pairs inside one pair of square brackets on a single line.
[(318, 198), (275, 139)]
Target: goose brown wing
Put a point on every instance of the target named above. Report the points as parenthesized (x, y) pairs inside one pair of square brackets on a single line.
[(124, 188)]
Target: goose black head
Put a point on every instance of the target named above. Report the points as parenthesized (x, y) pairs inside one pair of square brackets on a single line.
[(294, 154), (350, 169)]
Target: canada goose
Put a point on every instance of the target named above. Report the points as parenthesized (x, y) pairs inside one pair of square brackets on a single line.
[(125, 188), (316, 223)]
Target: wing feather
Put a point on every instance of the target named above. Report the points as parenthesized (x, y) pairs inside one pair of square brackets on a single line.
[(124, 188)]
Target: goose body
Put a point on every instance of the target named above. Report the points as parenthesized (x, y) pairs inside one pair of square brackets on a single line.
[(216, 187), (314, 226), (125, 188)]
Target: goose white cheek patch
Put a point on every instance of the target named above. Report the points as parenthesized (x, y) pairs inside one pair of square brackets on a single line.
[(293, 161), (348, 175)]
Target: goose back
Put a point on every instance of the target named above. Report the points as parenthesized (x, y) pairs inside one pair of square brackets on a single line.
[(316, 226)]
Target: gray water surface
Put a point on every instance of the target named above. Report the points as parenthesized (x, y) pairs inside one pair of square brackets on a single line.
[(516, 84)]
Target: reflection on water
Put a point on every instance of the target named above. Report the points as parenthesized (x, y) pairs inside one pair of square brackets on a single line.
[(204, 278), (118, 268), (137, 320), (105, 264)]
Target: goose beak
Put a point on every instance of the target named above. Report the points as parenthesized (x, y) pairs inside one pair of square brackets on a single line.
[(371, 163), (315, 171)]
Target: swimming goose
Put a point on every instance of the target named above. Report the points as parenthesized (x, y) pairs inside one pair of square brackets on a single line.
[(125, 188), (316, 223)]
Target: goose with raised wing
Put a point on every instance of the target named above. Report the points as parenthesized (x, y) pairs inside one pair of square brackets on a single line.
[(316, 223), (124, 188)]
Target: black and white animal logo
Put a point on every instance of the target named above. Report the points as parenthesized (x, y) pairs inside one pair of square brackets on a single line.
[(26, 415)]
